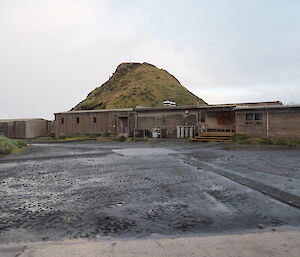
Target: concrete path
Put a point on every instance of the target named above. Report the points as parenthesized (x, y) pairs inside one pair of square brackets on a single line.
[(267, 244)]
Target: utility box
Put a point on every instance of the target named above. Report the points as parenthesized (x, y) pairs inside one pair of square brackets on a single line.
[(185, 131), (156, 133)]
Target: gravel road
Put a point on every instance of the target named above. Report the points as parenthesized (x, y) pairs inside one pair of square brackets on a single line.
[(124, 190)]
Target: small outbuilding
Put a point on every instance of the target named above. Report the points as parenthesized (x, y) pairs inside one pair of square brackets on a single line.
[(24, 128)]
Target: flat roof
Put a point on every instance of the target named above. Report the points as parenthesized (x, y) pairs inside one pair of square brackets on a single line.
[(183, 107), (100, 110), (158, 108), (240, 108), (255, 103), (252, 105), (13, 120)]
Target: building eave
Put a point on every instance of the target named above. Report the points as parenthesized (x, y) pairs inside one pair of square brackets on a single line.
[(241, 108)]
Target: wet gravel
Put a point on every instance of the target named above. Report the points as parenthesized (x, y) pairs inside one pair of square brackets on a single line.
[(80, 194)]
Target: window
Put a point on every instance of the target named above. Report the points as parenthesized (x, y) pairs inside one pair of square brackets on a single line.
[(258, 116), (201, 117), (77, 119), (254, 118), (62, 121), (95, 119), (249, 116), (161, 120)]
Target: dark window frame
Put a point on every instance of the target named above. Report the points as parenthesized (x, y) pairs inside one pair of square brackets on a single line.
[(62, 121), (258, 116), (95, 120), (248, 115), (77, 120), (254, 118)]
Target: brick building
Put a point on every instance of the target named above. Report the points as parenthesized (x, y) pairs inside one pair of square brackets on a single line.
[(255, 119), (271, 121)]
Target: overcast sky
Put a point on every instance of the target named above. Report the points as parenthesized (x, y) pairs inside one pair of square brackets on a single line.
[(54, 52)]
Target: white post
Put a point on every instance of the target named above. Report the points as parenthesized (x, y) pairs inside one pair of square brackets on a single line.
[(186, 131), (267, 117)]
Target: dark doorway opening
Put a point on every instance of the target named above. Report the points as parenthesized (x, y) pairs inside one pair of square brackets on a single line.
[(123, 125)]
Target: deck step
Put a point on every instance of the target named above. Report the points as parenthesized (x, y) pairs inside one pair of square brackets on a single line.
[(213, 137), (215, 140), (218, 134), (206, 140)]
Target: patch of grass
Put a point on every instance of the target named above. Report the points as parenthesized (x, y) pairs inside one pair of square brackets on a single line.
[(73, 137), (9, 146), (239, 137), (42, 139), (265, 141), (246, 140), (143, 139), (279, 141), (122, 138), (293, 142), (88, 135), (80, 136), (62, 137)]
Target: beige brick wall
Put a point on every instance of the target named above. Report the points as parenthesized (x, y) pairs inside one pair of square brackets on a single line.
[(166, 120), (283, 123)]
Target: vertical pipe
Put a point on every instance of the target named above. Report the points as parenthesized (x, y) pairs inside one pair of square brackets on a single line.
[(199, 129), (127, 130), (267, 116), (135, 124)]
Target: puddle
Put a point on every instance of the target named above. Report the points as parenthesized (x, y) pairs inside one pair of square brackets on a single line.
[(143, 151)]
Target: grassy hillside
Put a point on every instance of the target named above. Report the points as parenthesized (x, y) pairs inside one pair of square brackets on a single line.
[(8, 146), (136, 84)]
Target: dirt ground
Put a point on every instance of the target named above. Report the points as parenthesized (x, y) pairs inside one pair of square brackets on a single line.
[(102, 190)]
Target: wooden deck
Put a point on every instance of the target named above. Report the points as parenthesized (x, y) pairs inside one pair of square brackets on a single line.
[(213, 137)]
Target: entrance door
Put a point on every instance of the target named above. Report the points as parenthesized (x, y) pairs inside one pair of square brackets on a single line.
[(123, 128), (163, 133)]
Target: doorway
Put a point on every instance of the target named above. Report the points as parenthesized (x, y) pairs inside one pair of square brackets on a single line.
[(123, 125)]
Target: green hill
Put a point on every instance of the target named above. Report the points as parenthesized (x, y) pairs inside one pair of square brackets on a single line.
[(138, 84)]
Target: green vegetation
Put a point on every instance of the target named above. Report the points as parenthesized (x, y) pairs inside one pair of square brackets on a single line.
[(43, 139), (142, 139), (239, 137), (75, 137), (122, 138), (245, 139), (8, 146), (126, 139), (81, 136), (136, 84)]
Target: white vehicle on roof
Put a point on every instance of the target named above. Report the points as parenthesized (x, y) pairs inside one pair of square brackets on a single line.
[(169, 103)]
